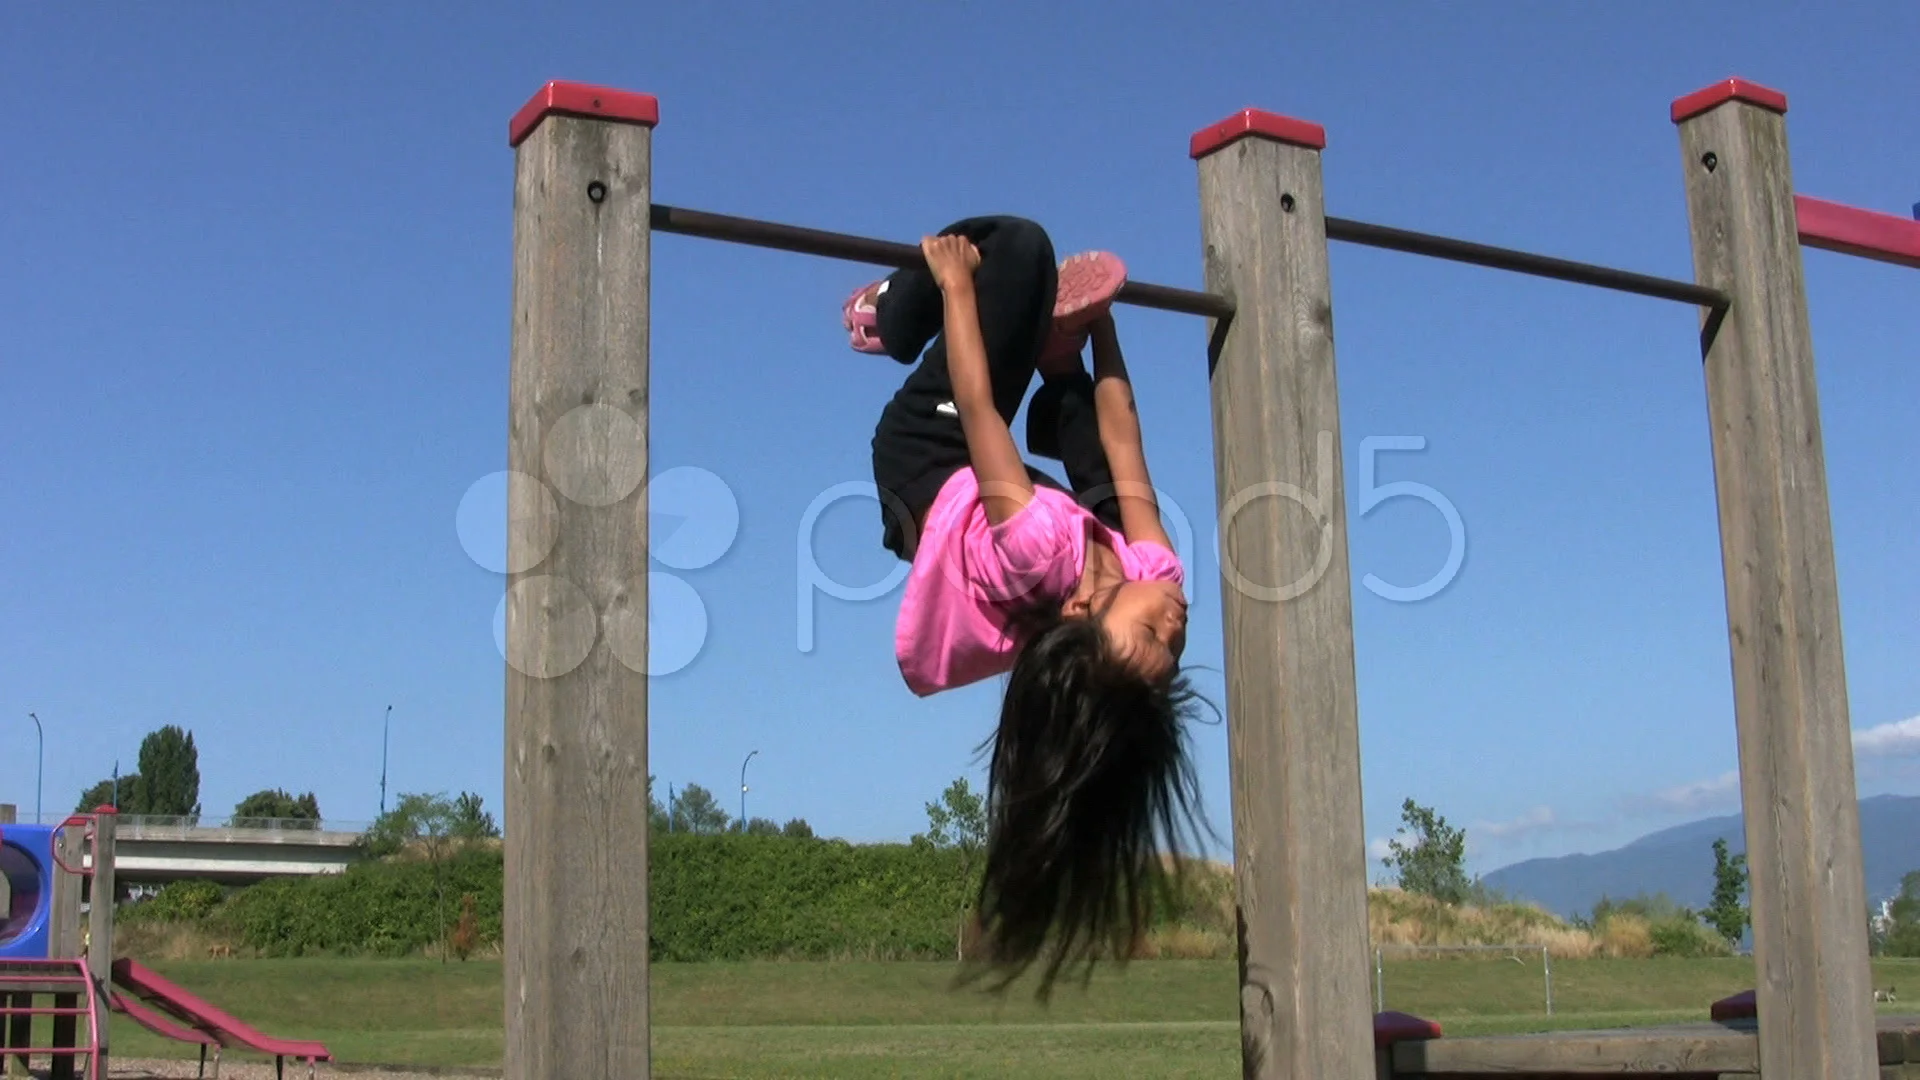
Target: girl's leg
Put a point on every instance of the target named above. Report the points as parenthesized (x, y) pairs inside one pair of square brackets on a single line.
[(919, 442), (1062, 423), (907, 312), (1014, 289)]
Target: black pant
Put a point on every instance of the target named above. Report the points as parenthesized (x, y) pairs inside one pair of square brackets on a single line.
[(919, 443)]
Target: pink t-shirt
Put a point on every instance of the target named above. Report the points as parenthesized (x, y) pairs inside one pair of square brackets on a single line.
[(969, 572)]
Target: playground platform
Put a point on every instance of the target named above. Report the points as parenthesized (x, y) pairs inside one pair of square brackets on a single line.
[(1713, 1050)]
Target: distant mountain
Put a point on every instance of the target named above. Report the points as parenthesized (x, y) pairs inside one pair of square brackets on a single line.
[(1679, 862)]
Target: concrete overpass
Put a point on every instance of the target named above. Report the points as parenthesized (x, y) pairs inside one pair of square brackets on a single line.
[(155, 851)]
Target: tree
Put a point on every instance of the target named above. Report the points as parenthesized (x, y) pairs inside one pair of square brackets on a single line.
[(426, 821), (798, 829), (657, 818), (429, 822), (695, 810), (1726, 914), (102, 794), (1903, 932), (1434, 864), (170, 774), (757, 827), (470, 820), (958, 822), (279, 807)]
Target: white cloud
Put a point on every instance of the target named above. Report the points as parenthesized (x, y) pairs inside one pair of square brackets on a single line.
[(1718, 794), (1534, 820), (1721, 792), (1897, 739)]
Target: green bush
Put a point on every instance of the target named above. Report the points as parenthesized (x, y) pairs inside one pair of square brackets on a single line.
[(1684, 936), (383, 908), (180, 901), (1202, 900), (712, 897), (740, 896)]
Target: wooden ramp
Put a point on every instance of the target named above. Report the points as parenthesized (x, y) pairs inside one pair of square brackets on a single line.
[(1728, 1050)]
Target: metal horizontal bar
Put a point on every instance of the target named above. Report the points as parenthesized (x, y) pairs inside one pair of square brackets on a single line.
[(1849, 230), (1524, 262), (833, 245), (862, 249)]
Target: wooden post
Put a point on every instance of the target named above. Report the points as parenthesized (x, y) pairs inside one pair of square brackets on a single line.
[(1814, 990), (63, 940), (100, 927), (1292, 714), (18, 1034), (576, 923), (9, 813)]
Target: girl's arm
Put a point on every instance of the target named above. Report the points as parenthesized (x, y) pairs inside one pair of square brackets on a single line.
[(1120, 437), (1005, 486)]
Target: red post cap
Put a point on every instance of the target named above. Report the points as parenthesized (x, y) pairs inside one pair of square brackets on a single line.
[(103, 808), (580, 99), (1686, 108), (1260, 123)]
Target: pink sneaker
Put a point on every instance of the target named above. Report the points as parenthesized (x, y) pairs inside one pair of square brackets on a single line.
[(861, 319), (1088, 283)]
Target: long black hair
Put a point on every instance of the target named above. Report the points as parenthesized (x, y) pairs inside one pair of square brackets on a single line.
[(1090, 791)]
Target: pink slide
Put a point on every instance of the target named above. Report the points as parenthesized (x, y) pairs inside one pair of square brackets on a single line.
[(208, 1024), (158, 1023)]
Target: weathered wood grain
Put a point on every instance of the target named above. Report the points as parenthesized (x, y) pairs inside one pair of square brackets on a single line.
[(1890, 1044), (1728, 1051), (63, 912), (1814, 992), (1292, 713), (576, 921), (63, 938), (100, 899), (1706, 1049)]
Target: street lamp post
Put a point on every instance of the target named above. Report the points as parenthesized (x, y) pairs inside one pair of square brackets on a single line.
[(40, 770), (386, 725), (743, 791)]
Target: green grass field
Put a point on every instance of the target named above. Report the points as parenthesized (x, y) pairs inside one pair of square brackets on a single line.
[(858, 1020)]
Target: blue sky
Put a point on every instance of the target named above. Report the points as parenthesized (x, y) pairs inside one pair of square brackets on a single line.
[(253, 355)]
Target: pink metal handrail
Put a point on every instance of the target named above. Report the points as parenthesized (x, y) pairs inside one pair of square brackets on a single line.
[(55, 975), (88, 837), (93, 1030)]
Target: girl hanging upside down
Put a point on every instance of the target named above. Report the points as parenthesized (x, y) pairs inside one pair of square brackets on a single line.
[(1074, 594)]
